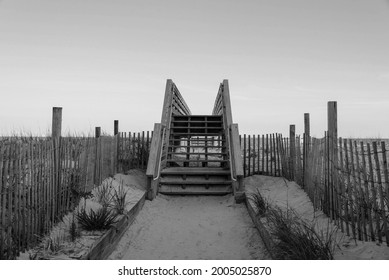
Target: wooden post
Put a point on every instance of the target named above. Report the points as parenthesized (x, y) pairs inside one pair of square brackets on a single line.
[(115, 127), (116, 133), (97, 159), (56, 138), (292, 151), (332, 125), (307, 133)]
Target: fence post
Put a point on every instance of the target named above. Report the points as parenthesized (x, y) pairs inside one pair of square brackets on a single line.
[(292, 151), (56, 138), (116, 137), (115, 127), (97, 156), (307, 132), (332, 154)]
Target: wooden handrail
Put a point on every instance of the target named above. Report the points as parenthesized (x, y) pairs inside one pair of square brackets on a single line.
[(222, 107), (155, 150)]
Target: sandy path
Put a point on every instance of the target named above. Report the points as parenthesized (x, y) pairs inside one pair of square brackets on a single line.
[(191, 227)]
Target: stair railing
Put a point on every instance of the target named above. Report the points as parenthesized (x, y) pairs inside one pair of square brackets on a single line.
[(222, 107), (174, 104)]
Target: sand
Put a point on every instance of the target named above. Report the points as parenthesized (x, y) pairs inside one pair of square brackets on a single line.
[(191, 227), (287, 194)]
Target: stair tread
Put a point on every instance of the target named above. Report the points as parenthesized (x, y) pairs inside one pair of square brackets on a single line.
[(195, 146), (195, 160), (195, 153), (178, 181), (216, 190), (195, 171)]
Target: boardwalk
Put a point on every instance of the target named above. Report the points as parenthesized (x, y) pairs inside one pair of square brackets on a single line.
[(191, 227)]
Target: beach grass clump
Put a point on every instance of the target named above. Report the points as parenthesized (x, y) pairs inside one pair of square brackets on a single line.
[(297, 239), (260, 203), (119, 199), (101, 219), (103, 193)]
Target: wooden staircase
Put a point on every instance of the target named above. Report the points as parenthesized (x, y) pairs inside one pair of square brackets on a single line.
[(195, 154), (197, 160)]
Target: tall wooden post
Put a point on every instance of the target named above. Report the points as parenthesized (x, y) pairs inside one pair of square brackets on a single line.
[(292, 151), (332, 154), (306, 139), (115, 127), (97, 156), (117, 139), (56, 138)]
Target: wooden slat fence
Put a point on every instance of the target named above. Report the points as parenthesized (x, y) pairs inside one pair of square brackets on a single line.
[(133, 150), (350, 186), (33, 197)]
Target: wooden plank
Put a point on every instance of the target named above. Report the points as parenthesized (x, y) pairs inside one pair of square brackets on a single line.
[(154, 151), (349, 189), (386, 177), (274, 159), (166, 110), (374, 193), (361, 198), (254, 156), (249, 156), (354, 186), (24, 186), (258, 153), (244, 156), (11, 200), (278, 174), (271, 154), (292, 143), (381, 193), (142, 165), (267, 154), (341, 181), (366, 193), (236, 150), (7, 190), (2, 201), (263, 154)]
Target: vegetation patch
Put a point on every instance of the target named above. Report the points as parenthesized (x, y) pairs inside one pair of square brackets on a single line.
[(294, 237)]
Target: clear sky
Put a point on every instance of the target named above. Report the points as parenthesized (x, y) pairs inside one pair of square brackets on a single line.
[(109, 59)]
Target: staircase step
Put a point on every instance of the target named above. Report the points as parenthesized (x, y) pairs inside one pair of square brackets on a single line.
[(214, 190), (196, 154), (178, 181), (195, 160), (196, 146), (194, 171), (197, 134)]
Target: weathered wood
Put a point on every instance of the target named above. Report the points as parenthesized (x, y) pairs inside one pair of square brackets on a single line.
[(166, 109), (353, 186), (244, 156), (154, 157), (249, 156), (361, 197), (258, 153), (267, 154), (292, 153), (386, 178), (115, 127), (381, 193), (349, 189), (374, 193), (254, 156), (263, 155), (343, 201)]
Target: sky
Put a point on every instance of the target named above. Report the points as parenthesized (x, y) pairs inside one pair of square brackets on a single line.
[(103, 60)]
